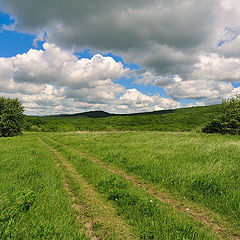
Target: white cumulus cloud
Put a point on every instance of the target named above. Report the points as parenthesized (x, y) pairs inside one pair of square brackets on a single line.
[(134, 101), (54, 80)]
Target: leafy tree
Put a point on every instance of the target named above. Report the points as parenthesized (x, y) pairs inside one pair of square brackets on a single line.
[(229, 120), (11, 117)]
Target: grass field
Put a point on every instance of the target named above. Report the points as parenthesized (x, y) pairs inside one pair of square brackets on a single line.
[(120, 185)]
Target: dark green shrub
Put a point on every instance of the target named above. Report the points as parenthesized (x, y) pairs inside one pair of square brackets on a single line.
[(229, 120), (11, 117), (215, 126)]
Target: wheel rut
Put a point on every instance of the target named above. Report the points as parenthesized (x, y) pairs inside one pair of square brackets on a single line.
[(219, 226), (92, 210)]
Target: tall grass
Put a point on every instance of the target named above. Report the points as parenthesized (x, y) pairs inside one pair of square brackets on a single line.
[(149, 217), (33, 202), (202, 168)]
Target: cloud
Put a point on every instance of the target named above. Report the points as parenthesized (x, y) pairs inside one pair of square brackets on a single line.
[(134, 101), (208, 91), (219, 68), (53, 80), (229, 36), (169, 29), (41, 37), (61, 67), (167, 80), (196, 104), (209, 82), (163, 59), (179, 46)]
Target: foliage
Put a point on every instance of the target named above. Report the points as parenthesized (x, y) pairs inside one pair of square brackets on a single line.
[(229, 119), (11, 117)]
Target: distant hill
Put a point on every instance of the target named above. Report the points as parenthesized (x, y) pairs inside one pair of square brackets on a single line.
[(91, 114), (183, 119), (102, 114)]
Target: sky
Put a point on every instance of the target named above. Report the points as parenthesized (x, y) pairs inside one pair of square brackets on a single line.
[(123, 56)]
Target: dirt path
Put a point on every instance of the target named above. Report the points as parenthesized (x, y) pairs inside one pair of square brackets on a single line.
[(205, 216), (97, 216)]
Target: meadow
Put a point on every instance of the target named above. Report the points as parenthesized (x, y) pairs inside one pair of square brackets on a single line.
[(120, 185)]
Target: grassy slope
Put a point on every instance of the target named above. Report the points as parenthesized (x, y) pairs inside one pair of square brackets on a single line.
[(202, 168), (187, 119)]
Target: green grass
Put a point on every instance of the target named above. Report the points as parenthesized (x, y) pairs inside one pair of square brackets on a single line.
[(202, 168), (149, 217), (33, 202), (199, 169), (186, 119)]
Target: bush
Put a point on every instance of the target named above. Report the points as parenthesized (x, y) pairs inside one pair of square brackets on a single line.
[(11, 117), (229, 120)]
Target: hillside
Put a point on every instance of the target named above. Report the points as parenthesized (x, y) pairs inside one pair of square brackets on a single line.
[(184, 119), (90, 114), (102, 114)]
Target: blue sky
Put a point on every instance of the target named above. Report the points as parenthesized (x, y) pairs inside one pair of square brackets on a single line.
[(13, 42), (200, 51)]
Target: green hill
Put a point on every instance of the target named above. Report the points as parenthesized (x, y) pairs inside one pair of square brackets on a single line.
[(184, 119), (102, 114), (91, 114)]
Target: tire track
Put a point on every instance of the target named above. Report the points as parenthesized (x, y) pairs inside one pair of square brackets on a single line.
[(94, 211), (221, 229)]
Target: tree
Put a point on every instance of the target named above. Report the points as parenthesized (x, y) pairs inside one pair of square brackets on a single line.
[(11, 117), (229, 120)]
